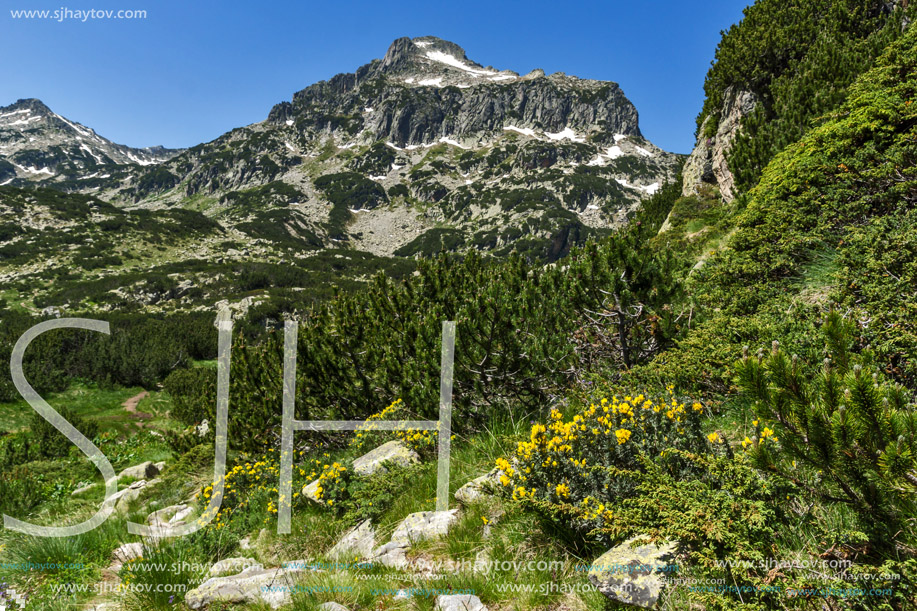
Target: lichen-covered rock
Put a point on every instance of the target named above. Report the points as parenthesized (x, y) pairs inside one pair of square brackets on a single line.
[(255, 584), (122, 498), (634, 575), (332, 606), (737, 105), (124, 554), (708, 163), (424, 525), (163, 522), (310, 491), (391, 452), (393, 554), (358, 543), (459, 602), (414, 528), (232, 566), (478, 487), (698, 168), (144, 470), (169, 516), (82, 489)]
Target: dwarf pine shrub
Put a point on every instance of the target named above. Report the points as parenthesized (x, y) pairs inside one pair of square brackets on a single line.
[(841, 432)]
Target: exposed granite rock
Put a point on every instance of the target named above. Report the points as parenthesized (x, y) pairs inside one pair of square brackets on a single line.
[(478, 487), (424, 525), (310, 491), (232, 566), (459, 602), (634, 575), (414, 528), (393, 451), (82, 489), (124, 554), (708, 163), (427, 88), (253, 585), (357, 542), (144, 470), (122, 498), (46, 146), (169, 516)]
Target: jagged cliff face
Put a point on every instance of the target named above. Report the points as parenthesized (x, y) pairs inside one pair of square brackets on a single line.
[(425, 149), (707, 166), (421, 150), (37, 145), (427, 89)]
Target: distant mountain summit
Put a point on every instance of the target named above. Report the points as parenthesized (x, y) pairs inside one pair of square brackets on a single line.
[(37, 144), (425, 89), (420, 151)]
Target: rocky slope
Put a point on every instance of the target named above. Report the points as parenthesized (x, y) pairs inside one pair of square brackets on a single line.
[(708, 163), (421, 150)]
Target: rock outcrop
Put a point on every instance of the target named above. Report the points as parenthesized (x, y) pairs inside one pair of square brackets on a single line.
[(459, 602), (255, 584), (394, 452), (478, 487), (707, 164), (358, 542), (414, 528), (634, 575), (146, 470)]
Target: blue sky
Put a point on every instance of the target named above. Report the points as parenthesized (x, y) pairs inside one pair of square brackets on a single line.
[(194, 69)]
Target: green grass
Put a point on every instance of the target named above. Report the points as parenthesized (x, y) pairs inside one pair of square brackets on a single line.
[(102, 405)]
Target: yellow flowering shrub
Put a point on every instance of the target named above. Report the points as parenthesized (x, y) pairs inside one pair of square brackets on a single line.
[(332, 480), (250, 488), (370, 436), (584, 463)]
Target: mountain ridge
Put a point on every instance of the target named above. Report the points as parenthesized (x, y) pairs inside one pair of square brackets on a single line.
[(416, 152), (65, 147)]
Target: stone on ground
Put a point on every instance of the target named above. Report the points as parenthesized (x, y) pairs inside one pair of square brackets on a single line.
[(144, 470), (253, 585), (459, 602), (358, 543), (414, 528), (391, 452), (478, 487), (332, 606), (310, 491), (393, 554), (232, 566), (123, 498), (424, 525), (124, 554), (169, 516), (82, 489), (633, 576)]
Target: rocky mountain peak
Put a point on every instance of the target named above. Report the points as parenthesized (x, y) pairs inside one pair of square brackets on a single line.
[(406, 53), (36, 144), (432, 61), (426, 89), (33, 105)]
